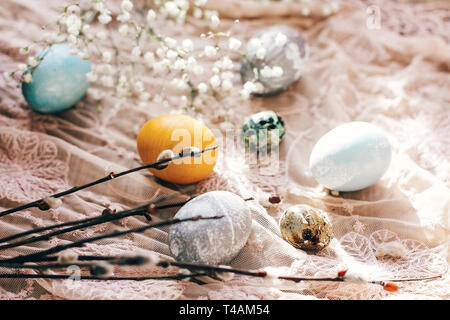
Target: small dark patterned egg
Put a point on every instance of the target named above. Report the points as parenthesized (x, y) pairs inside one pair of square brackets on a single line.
[(306, 228), (263, 131)]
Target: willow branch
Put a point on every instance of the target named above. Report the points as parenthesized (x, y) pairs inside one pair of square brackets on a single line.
[(65, 277), (80, 243), (143, 210), (42, 204)]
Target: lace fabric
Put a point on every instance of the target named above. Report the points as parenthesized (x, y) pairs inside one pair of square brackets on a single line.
[(395, 77)]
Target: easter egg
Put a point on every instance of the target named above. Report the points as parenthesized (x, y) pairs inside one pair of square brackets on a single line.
[(263, 131), (275, 58), (306, 228), (173, 133), (58, 81), (215, 241), (350, 157)]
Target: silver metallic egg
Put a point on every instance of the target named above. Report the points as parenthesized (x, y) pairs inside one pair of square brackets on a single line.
[(306, 228), (274, 59)]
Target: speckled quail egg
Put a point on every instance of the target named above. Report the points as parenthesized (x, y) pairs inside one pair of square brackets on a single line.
[(306, 228)]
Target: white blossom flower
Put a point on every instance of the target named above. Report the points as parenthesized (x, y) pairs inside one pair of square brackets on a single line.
[(197, 13), (86, 29), (179, 84), (27, 78), (149, 58), (123, 30), (215, 22), (210, 51), (305, 11), (73, 23), (33, 61), (99, 6), (210, 13), (106, 56), (225, 63), (104, 18), (227, 75), (269, 72), (280, 39), (73, 9), (136, 52), (187, 45), (249, 88), (107, 81), (21, 67), (83, 55), (171, 8), (234, 44), (200, 3), (24, 51), (227, 85), (198, 70), (261, 53), (127, 5), (72, 39), (170, 42), (161, 53), (95, 94), (7, 76), (107, 69), (191, 63), (214, 81), (202, 87), (171, 55), (124, 16), (255, 43), (151, 15), (138, 86), (179, 64), (91, 76), (277, 71), (144, 96)]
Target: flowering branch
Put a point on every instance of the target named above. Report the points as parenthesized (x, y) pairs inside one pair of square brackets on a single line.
[(80, 243), (107, 216), (65, 277), (103, 270), (52, 202)]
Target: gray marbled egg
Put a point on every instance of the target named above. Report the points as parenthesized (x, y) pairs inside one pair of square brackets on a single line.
[(305, 227), (269, 50), (211, 241)]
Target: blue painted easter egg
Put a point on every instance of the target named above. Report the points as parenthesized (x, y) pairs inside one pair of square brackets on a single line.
[(58, 81), (350, 157)]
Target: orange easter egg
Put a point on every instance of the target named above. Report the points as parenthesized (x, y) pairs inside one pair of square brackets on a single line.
[(176, 132)]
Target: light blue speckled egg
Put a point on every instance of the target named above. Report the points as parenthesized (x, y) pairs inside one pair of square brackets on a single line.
[(350, 157), (58, 82)]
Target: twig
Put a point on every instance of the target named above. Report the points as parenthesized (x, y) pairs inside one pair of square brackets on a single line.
[(80, 243), (208, 270), (65, 277), (42, 204), (143, 210), (107, 216)]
